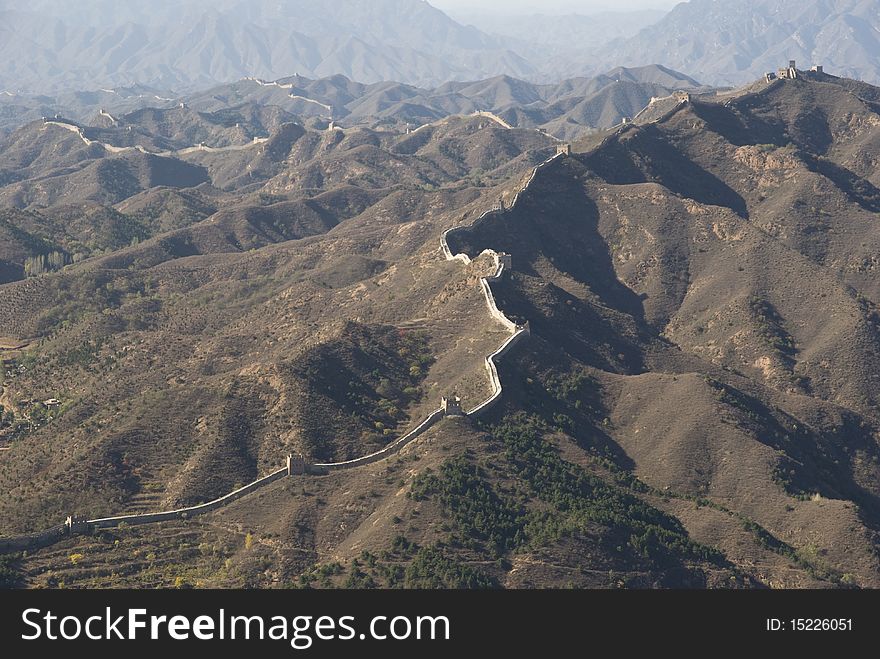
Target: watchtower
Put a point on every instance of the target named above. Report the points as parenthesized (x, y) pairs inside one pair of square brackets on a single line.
[(790, 73), (816, 69), (296, 465), (505, 260), (75, 525), (683, 97), (451, 406), (563, 149)]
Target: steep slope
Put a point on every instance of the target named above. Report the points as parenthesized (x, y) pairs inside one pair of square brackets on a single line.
[(698, 281)]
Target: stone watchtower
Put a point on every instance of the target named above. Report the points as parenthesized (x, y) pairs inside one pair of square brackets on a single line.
[(505, 260), (75, 525), (563, 149), (296, 465), (789, 73), (451, 406)]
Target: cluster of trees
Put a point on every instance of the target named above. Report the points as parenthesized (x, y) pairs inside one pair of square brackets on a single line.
[(43, 263), (571, 501), (579, 500), (479, 512), (414, 349), (432, 568)]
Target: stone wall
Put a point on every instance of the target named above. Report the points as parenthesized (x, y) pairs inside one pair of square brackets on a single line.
[(186, 513), (77, 527), (381, 454), (32, 541)]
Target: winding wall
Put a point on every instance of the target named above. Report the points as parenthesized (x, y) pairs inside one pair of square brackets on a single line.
[(518, 332), (289, 85), (78, 527), (164, 154)]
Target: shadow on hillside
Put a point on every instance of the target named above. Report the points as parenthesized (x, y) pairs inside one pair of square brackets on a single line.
[(860, 191), (811, 460), (10, 272), (648, 157), (525, 390), (585, 330), (556, 222), (740, 129)]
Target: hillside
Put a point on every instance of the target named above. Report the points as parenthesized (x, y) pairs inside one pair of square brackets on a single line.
[(694, 405)]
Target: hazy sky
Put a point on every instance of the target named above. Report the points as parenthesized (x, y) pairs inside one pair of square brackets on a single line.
[(548, 6)]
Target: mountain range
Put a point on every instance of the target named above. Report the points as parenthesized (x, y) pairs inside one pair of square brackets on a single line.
[(566, 109), (48, 46), (694, 405), (729, 42)]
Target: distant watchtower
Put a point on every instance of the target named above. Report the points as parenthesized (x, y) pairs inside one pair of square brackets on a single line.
[(790, 73), (451, 406), (563, 149)]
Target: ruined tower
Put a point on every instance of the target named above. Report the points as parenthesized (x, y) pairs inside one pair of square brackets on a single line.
[(451, 406)]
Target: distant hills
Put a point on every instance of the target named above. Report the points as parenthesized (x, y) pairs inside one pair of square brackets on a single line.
[(566, 109), (735, 41), (193, 44), (47, 47)]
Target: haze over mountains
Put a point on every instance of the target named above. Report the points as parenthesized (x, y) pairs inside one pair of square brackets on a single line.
[(52, 45), (729, 42)]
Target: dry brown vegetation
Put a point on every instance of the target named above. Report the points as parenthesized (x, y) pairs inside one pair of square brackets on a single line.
[(696, 406)]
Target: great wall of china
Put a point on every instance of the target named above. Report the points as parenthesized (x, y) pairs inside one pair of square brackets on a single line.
[(450, 406), (289, 85), (295, 464), (163, 154)]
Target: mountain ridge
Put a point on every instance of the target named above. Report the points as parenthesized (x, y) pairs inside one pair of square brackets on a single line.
[(694, 407)]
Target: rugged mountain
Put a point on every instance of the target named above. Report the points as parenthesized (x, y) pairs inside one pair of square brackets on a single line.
[(234, 115), (201, 43), (565, 109), (86, 107), (174, 45), (694, 407), (730, 42)]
